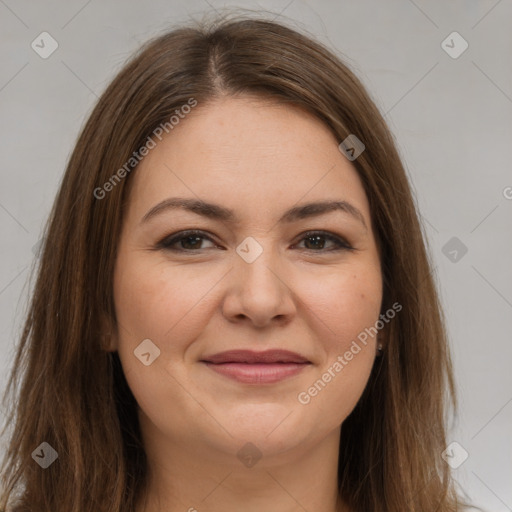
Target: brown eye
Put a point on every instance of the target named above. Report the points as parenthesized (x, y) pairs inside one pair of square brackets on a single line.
[(317, 242), (189, 240)]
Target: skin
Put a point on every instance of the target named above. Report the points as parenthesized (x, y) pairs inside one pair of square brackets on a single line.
[(259, 159)]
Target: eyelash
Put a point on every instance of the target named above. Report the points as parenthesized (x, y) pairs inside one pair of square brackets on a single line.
[(170, 240)]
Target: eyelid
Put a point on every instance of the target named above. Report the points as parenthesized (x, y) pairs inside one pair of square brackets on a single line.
[(340, 241), (178, 235)]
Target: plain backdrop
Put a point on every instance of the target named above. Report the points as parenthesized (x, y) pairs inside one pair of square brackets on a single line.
[(450, 112)]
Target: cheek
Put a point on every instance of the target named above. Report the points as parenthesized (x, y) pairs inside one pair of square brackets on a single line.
[(344, 307), (171, 306), (152, 302), (345, 304), (154, 305)]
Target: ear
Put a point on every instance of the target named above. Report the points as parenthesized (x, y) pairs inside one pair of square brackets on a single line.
[(108, 334), (383, 337)]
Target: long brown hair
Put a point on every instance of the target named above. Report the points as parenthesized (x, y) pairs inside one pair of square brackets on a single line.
[(72, 392)]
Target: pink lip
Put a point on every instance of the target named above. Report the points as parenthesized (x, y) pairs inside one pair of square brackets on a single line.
[(249, 356), (257, 367), (258, 373)]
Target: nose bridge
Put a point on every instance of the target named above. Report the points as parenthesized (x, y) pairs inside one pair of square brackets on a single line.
[(261, 289), (258, 262)]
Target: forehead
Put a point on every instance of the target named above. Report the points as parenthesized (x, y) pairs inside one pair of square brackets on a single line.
[(248, 153)]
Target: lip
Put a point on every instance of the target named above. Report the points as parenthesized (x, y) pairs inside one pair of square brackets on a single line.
[(250, 367), (251, 357)]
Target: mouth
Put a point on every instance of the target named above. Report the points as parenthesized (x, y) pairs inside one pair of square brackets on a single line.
[(251, 367)]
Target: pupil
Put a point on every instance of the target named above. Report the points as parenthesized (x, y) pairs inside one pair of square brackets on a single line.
[(316, 237), (196, 238)]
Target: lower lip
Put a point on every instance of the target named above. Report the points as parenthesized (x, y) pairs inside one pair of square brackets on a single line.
[(264, 373)]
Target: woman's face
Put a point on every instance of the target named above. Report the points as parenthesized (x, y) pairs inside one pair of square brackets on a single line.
[(254, 281)]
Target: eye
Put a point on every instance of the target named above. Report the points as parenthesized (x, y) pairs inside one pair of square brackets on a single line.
[(317, 242), (191, 240)]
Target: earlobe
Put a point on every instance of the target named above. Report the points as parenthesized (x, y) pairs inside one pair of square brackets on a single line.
[(109, 342), (382, 341)]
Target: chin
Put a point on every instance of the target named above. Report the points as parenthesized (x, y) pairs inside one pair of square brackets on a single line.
[(272, 427)]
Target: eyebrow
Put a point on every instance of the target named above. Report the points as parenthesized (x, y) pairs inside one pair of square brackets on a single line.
[(218, 212)]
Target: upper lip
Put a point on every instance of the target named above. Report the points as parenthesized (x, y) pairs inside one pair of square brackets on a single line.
[(249, 356)]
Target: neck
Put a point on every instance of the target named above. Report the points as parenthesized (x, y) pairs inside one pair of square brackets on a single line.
[(194, 477)]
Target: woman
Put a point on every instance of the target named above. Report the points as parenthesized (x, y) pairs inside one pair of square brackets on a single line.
[(265, 370)]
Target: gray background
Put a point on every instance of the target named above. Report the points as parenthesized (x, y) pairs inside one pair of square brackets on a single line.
[(451, 117)]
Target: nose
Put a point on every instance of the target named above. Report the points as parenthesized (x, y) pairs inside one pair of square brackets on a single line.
[(259, 292)]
